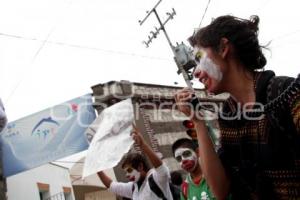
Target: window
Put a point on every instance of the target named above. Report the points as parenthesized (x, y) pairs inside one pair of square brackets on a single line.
[(43, 190), (67, 193)]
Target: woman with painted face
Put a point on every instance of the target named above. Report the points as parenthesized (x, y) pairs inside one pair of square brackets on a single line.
[(260, 153), (141, 177)]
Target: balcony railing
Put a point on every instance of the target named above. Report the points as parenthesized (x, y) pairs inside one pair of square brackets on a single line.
[(58, 196)]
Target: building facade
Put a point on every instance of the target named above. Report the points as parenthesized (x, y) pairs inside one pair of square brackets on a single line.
[(47, 182)]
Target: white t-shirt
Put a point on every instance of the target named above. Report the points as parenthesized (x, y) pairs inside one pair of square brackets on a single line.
[(130, 190)]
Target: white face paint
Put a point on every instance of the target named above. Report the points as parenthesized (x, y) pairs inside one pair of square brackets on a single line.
[(207, 65), (132, 174), (187, 158)]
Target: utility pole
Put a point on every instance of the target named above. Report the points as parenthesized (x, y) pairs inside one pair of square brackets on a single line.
[(183, 55)]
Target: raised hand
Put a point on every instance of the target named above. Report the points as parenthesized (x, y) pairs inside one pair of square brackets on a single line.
[(183, 98), (137, 136)]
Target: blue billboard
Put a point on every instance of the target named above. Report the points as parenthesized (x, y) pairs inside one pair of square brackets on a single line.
[(46, 136)]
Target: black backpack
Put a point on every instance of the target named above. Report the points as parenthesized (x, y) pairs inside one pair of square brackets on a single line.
[(155, 189)]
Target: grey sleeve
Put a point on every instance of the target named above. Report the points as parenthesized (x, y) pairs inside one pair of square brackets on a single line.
[(3, 118)]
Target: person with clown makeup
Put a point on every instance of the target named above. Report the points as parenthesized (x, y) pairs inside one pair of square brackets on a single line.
[(260, 121), (139, 173), (195, 186)]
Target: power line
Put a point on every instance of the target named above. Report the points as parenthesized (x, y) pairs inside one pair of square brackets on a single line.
[(62, 161), (35, 56), (286, 35), (42, 46), (204, 13), (84, 47), (278, 40), (46, 41), (262, 6)]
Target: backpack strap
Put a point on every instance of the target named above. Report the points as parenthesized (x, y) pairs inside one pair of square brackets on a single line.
[(175, 190), (155, 188), (281, 93), (279, 100)]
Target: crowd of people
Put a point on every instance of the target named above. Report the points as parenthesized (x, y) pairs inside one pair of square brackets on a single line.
[(259, 157)]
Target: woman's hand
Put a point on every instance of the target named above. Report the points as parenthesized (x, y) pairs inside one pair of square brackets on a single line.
[(183, 101)]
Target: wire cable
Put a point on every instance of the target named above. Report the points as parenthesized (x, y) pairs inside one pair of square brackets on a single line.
[(204, 13), (85, 47), (35, 56), (63, 161)]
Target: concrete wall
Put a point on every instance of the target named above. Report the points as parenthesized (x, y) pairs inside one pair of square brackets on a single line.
[(100, 195), (92, 193), (81, 190), (25, 185)]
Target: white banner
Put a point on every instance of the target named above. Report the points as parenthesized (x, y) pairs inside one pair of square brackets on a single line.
[(112, 139)]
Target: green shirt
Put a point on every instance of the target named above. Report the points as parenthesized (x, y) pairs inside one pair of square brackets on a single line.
[(197, 192)]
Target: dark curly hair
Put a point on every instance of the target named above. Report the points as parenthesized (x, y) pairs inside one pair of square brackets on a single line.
[(184, 142), (241, 33), (134, 160)]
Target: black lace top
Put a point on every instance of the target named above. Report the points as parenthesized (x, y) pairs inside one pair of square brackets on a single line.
[(262, 155)]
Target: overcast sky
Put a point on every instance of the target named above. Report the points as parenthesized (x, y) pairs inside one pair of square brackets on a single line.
[(55, 50)]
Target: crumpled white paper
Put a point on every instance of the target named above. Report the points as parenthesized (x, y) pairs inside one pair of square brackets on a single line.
[(112, 139)]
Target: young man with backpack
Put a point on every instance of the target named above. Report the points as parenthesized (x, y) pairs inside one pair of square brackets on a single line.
[(145, 183)]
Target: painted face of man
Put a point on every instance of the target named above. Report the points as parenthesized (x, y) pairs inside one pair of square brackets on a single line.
[(187, 158), (132, 174), (206, 70)]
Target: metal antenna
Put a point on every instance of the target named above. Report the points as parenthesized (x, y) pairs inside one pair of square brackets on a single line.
[(177, 51)]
